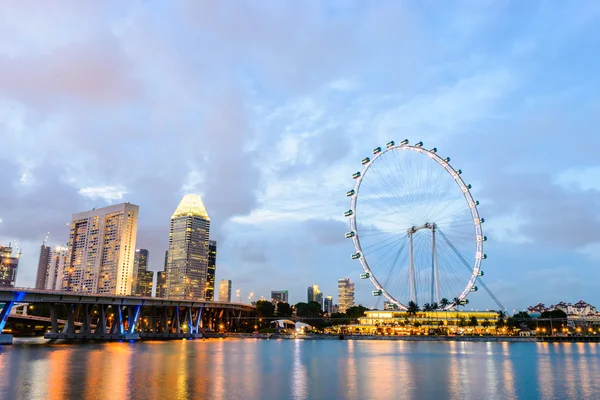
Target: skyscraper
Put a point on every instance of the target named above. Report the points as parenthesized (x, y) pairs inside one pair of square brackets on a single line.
[(328, 305), (8, 266), (225, 290), (211, 270), (143, 286), (314, 294), (345, 294), (102, 251), (279, 296), (187, 262), (58, 260), (161, 284), (42, 269)]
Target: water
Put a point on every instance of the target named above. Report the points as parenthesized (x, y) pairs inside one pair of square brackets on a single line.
[(295, 369)]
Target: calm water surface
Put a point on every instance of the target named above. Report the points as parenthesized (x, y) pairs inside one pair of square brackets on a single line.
[(295, 369)]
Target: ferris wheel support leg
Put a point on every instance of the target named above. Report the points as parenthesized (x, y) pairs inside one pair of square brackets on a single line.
[(412, 268), (436, 272)]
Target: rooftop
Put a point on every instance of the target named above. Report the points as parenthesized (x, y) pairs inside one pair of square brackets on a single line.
[(191, 205)]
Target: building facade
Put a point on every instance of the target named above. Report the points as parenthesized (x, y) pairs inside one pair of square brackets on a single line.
[(187, 260), (9, 264), (345, 294), (42, 269), (278, 296), (211, 270), (102, 251), (161, 284), (314, 294), (225, 290), (143, 287), (328, 305), (58, 261)]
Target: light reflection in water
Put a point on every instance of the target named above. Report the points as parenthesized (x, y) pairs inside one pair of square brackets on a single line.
[(508, 373), (544, 371), (352, 375), (299, 381)]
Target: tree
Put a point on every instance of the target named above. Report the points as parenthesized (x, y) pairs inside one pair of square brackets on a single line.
[(264, 309), (486, 323), (426, 307), (355, 312), (284, 309), (456, 302), (435, 306), (473, 322), (444, 302), (308, 310), (412, 309)]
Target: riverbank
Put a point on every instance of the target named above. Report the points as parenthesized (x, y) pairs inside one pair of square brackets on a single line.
[(379, 337)]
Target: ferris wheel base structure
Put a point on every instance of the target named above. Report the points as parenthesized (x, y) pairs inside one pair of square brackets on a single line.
[(410, 173)]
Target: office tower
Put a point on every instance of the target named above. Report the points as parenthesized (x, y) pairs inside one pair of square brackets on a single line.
[(211, 269), (8, 266), (225, 290), (58, 260), (279, 296), (187, 262), (345, 294), (42, 269), (161, 284), (314, 294), (143, 287), (102, 251), (328, 305)]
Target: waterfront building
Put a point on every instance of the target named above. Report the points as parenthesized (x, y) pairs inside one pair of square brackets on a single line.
[(102, 251), (8, 266), (143, 287), (187, 260), (225, 290), (579, 310), (278, 296), (161, 284), (42, 269), (314, 294), (328, 305), (425, 322), (58, 261), (211, 270), (345, 294)]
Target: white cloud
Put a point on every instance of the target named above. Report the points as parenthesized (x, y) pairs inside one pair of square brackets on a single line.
[(106, 193), (574, 179)]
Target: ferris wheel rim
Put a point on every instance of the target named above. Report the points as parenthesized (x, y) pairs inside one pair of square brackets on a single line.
[(472, 205)]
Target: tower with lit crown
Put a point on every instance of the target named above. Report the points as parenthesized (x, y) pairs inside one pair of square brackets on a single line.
[(187, 260)]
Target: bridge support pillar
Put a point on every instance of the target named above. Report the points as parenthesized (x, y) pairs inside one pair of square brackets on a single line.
[(69, 328), (4, 314), (53, 318)]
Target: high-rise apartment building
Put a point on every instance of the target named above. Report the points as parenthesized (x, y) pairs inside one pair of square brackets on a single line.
[(187, 262), (225, 290), (314, 294), (279, 296), (143, 287), (102, 251), (42, 269), (345, 294), (58, 261), (8, 266), (161, 284), (328, 305), (211, 270)]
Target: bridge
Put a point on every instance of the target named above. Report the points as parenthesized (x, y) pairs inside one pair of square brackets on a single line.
[(110, 317)]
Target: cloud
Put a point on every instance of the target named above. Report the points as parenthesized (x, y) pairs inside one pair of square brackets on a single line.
[(107, 193)]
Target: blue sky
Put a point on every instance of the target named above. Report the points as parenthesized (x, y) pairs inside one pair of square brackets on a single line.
[(267, 108)]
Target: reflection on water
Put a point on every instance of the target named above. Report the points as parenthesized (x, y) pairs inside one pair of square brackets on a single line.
[(296, 369)]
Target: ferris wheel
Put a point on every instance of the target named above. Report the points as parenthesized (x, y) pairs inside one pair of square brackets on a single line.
[(415, 227)]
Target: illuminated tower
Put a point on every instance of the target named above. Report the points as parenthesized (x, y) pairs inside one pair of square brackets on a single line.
[(345, 294), (8, 266), (187, 260), (102, 251), (225, 290), (314, 294), (211, 270)]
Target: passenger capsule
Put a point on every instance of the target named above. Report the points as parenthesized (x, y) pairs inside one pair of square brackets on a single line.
[(474, 289), (404, 142), (348, 213), (377, 150), (476, 202), (458, 171), (447, 159), (483, 257), (350, 234), (390, 144), (356, 175), (485, 238), (481, 220), (377, 292), (365, 160), (350, 193), (469, 186), (420, 144), (365, 276), (355, 256), (480, 273), (434, 150)]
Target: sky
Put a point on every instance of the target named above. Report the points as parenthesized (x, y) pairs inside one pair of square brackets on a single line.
[(265, 109)]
